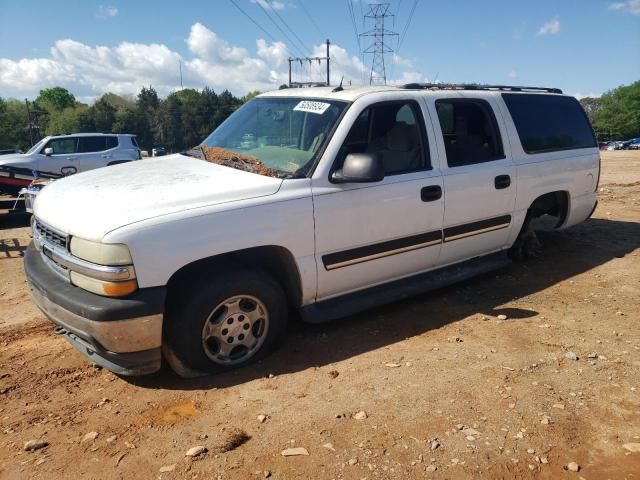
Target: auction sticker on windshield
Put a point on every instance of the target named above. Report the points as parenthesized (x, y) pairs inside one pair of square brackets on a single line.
[(312, 107)]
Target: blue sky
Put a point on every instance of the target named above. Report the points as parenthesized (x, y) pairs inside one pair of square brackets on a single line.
[(582, 46)]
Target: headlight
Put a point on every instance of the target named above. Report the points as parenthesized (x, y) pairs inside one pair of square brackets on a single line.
[(100, 253), (102, 256)]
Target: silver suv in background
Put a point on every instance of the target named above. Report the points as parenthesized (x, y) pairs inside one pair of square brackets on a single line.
[(62, 155)]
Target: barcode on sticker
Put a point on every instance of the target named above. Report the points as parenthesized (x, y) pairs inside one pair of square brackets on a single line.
[(312, 107)]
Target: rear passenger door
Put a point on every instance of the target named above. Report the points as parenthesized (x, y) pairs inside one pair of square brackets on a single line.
[(91, 151), (478, 175)]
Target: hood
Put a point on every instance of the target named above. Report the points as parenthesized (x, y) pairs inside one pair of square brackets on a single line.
[(14, 159), (94, 203)]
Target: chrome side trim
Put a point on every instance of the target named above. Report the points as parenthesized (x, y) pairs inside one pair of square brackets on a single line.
[(93, 270), (476, 232), (118, 336), (382, 254)]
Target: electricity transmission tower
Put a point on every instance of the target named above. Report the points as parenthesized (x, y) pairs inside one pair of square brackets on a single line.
[(377, 14)]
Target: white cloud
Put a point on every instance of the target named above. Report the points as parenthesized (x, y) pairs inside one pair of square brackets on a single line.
[(630, 6), (403, 62), (275, 54), (513, 75), (580, 95), (107, 11), (273, 5), (89, 71), (205, 44), (550, 28)]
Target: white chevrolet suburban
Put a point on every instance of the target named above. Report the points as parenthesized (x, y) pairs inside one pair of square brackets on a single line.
[(325, 201)]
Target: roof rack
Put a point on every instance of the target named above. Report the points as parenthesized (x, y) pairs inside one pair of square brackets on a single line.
[(474, 86)]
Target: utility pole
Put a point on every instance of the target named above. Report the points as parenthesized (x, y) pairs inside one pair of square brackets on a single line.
[(377, 13), (328, 81), (29, 124), (310, 60)]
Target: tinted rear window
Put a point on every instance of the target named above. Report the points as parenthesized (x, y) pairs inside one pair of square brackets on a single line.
[(90, 144), (112, 142), (547, 123)]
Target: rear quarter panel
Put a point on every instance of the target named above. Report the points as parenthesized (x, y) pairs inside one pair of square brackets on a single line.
[(572, 171)]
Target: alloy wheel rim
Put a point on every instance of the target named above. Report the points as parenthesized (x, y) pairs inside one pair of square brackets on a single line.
[(235, 330)]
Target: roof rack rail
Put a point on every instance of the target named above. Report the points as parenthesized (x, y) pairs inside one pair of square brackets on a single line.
[(475, 86)]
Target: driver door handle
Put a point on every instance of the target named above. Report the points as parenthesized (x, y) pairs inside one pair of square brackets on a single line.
[(502, 181), (431, 193)]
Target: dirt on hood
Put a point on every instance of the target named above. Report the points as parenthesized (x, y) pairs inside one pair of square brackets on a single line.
[(240, 161)]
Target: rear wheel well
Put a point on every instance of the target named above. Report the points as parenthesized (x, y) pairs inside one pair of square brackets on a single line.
[(273, 260), (555, 204)]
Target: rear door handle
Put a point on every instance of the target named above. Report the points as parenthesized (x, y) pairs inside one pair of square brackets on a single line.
[(502, 181), (431, 193)]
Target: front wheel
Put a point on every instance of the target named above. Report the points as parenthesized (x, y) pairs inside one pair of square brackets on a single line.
[(219, 324)]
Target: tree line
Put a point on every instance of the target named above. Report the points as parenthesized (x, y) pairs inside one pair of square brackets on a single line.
[(616, 114), (178, 122), (184, 118)]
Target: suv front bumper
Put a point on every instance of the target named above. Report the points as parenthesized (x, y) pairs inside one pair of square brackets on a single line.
[(123, 335)]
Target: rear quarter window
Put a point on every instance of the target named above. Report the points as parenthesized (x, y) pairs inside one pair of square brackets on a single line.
[(548, 123), (112, 142)]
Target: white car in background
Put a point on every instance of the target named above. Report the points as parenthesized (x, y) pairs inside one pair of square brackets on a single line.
[(62, 155)]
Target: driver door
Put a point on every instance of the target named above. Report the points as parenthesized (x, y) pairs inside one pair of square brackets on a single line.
[(371, 233), (63, 160)]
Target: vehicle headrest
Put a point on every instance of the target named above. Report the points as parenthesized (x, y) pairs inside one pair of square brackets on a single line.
[(400, 138)]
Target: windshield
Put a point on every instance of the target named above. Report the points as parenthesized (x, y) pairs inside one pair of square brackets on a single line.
[(36, 146), (273, 136)]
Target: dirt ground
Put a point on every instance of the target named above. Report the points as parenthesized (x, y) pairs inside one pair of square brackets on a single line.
[(449, 390)]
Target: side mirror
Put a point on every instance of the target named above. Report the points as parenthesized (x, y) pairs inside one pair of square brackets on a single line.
[(359, 168), (48, 151)]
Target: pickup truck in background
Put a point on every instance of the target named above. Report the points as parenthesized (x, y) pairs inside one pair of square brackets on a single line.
[(324, 201)]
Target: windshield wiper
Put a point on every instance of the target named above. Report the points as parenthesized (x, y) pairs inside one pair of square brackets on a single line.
[(195, 152)]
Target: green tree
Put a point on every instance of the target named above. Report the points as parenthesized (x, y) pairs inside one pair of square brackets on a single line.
[(66, 121), (13, 125), (56, 98), (618, 116), (104, 116), (250, 95)]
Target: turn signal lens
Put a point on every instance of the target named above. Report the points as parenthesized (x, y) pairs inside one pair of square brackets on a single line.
[(100, 287)]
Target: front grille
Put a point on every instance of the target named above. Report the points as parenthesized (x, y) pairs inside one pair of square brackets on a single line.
[(51, 235)]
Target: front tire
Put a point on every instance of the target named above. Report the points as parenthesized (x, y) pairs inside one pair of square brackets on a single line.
[(214, 325)]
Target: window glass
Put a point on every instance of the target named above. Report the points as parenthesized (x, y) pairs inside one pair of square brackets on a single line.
[(469, 131), (134, 141), (391, 130), (91, 144), (546, 123), (112, 142), (62, 146), (284, 134)]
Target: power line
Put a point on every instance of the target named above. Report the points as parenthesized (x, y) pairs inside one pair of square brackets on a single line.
[(311, 19), (254, 22), (300, 42), (406, 27), (353, 21), (291, 42)]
